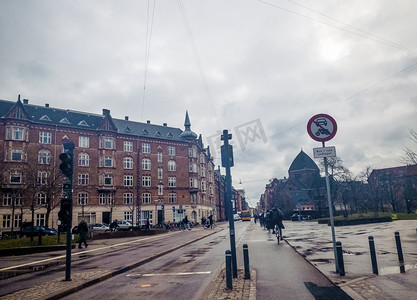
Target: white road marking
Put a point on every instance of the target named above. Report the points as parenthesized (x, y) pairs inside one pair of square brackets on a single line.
[(170, 274)]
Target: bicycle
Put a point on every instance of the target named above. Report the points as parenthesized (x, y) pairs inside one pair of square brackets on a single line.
[(278, 233)]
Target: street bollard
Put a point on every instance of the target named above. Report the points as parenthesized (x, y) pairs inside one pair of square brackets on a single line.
[(229, 284), (339, 253), (400, 251), (373, 255), (246, 261)]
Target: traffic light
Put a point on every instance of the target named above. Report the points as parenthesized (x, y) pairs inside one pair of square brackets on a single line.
[(67, 189), (66, 164), (64, 215)]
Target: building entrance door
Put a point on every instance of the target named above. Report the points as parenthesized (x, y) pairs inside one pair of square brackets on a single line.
[(106, 217)]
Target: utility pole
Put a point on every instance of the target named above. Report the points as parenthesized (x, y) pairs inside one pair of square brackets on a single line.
[(227, 163)]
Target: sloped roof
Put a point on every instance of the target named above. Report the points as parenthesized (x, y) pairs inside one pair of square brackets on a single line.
[(74, 119), (303, 162)]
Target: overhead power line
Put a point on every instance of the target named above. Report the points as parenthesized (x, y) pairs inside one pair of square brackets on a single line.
[(358, 32), (150, 14)]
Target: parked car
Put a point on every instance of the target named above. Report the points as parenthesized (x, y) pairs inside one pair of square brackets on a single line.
[(99, 227), (124, 225), (38, 229)]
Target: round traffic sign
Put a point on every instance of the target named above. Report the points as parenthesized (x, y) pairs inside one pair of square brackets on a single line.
[(322, 127)]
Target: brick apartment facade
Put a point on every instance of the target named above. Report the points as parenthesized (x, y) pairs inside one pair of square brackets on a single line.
[(123, 170)]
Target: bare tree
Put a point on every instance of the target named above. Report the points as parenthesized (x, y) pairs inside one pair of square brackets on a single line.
[(410, 155)]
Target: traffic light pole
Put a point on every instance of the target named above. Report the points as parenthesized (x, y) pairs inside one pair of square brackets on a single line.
[(227, 162), (68, 165)]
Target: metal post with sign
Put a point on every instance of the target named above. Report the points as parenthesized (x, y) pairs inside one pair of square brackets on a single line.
[(323, 128), (227, 163)]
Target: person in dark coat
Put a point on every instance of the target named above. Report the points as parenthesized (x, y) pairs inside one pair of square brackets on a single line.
[(83, 232), (211, 221)]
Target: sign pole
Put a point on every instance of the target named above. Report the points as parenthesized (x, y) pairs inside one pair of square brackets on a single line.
[(322, 128), (329, 199), (227, 162)]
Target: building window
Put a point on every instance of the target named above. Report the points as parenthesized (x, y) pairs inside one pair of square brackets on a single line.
[(160, 189), (128, 198), (42, 178), (172, 182), (128, 216), (83, 160), (160, 173), (146, 198), (146, 215), (194, 197), (128, 146), (16, 177), (45, 137), (40, 219), (108, 161), (84, 142), (7, 199), (106, 143), (18, 133), (83, 179), (146, 148), (146, 181), (171, 151), (17, 155), (193, 168), (193, 183), (172, 165), (172, 198), (41, 198), (128, 180), (203, 185), (17, 221), (192, 152), (128, 163), (106, 198), (146, 164), (108, 179), (44, 157), (202, 158), (7, 221), (82, 198), (159, 157)]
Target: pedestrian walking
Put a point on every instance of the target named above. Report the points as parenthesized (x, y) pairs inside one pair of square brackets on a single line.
[(211, 221), (83, 232)]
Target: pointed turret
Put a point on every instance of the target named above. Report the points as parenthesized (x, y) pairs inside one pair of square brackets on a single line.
[(187, 134)]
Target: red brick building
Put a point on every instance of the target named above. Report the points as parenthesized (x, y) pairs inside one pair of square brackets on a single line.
[(123, 170)]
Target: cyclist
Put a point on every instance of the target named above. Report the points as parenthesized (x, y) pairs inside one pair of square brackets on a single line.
[(277, 217)]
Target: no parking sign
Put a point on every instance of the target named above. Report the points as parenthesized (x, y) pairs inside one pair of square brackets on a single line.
[(322, 127)]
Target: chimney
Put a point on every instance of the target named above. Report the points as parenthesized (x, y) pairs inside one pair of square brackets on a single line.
[(148, 122), (46, 104), (25, 101), (106, 112), (165, 124), (126, 118)]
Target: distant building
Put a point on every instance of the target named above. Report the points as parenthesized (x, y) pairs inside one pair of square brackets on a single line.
[(303, 190), (395, 188), (123, 170)]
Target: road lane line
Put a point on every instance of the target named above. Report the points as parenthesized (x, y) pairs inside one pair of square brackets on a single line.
[(170, 274)]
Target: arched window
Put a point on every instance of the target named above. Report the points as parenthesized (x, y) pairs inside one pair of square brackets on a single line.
[(172, 165), (146, 164), (44, 157), (83, 160), (128, 163), (82, 198)]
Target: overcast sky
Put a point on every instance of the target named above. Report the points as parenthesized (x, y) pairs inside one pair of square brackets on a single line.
[(260, 69)]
